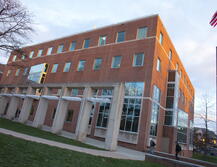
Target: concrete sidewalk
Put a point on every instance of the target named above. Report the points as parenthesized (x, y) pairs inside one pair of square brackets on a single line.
[(120, 154)]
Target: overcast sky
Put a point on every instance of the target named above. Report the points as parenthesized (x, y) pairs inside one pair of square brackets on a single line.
[(187, 22)]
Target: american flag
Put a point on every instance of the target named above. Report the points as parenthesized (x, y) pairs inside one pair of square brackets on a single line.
[(213, 22)]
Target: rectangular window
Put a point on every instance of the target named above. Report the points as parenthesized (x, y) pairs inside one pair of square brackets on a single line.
[(170, 54), (8, 73), (182, 126), (97, 64), (161, 38), (49, 50), (158, 67), (86, 43), (23, 57), (132, 106), (81, 65), (69, 116), (39, 52), (138, 59), (102, 40), (155, 110), (116, 62), (14, 58), (54, 68), (54, 113), (72, 46), (142, 33), (74, 92), (25, 71), (103, 115), (121, 36), (60, 48), (17, 72), (31, 54), (67, 67)]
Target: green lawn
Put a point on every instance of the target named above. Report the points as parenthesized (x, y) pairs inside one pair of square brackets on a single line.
[(16, 152), (202, 157), (18, 127)]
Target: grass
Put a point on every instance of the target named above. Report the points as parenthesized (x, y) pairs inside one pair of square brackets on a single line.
[(202, 157), (16, 152), (21, 128)]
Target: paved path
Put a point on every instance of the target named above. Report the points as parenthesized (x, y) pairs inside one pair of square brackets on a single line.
[(111, 154)]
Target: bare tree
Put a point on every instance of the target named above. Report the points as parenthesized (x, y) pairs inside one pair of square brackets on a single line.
[(205, 109), (15, 25)]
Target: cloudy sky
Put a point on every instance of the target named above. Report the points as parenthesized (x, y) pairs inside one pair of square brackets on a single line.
[(187, 23)]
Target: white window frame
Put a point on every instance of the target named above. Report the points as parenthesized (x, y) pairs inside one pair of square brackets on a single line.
[(113, 61), (40, 51), (52, 70), (158, 65), (134, 60), (49, 50), (64, 69)]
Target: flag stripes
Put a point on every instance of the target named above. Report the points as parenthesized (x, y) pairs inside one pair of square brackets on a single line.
[(213, 22)]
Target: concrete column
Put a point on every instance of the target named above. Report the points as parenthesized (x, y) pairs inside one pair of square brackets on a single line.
[(13, 105), (41, 110), (3, 104), (114, 118), (26, 107), (84, 115), (61, 112)]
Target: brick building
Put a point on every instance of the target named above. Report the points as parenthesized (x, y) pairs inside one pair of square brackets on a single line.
[(2, 67), (123, 84)]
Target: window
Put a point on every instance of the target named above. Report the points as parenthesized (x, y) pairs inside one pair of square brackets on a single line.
[(132, 106), (104, 109), (49, 50), (182, 126), (54, 113), (170, 54), (102, 40), (60, 48), (81, 65), (155, 110), (69, 116), (116, 62), (103, 115), (25, 71), (8, 73), (31, 54), (142, 33), (134, 88), (92, 113), (138, 59), (121, 36), (37, 73), (54, 69), (14, 58), (158, 67), (17, 72), (39, 52), (74, 92), (97, 64), (161, 38), (67, 67), (86, 43), (72, 46), (23, 57)]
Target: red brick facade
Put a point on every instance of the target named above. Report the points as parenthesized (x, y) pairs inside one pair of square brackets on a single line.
[(147, 73)]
